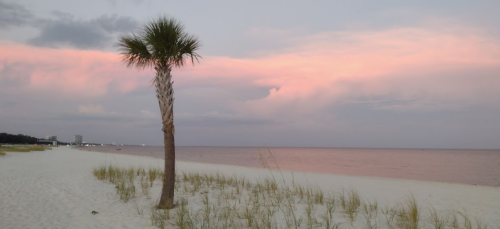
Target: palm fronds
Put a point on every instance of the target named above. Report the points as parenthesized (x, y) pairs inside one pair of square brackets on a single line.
[(162, 43)]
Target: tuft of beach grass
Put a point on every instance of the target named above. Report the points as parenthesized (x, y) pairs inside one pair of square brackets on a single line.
[(22, 149), (218, 201)]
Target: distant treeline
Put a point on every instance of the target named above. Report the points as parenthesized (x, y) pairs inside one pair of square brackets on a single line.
[(17, 139)]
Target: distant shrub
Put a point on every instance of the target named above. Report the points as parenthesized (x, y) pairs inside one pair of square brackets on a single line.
[(22, 148)]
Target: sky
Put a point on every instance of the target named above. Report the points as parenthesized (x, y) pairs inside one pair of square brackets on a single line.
[(381, 74)]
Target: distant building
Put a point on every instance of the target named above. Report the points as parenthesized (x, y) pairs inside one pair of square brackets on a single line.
[(78, 139), (113, 143), (51, 137)]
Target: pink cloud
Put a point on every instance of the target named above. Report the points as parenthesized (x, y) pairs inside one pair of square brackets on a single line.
[(422, 65), (73, 73), (90, 109), (426, 66)]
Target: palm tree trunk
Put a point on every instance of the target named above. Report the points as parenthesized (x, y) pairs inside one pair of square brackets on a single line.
[(167, 192), (165, 95)]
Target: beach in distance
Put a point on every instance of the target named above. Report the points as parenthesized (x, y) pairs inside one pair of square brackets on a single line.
[(475, 167), (59, 188)]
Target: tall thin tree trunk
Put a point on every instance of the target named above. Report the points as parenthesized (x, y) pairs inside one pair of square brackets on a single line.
[(167, 192), (165, 95)]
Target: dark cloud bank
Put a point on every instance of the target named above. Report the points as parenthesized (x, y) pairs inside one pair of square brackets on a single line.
[(66, 30), (13, 14), (63, 29)]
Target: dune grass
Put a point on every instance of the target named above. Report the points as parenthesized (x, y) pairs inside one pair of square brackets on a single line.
[(22, 148), (214, 200)]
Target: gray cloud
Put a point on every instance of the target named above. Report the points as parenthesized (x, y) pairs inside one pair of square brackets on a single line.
[(221, 120), (65, 30), (14, 74), (116, 24), (13, 14), (62, 15), (105, 117)]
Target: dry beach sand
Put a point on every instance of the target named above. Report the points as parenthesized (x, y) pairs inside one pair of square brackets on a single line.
[(56, 189)]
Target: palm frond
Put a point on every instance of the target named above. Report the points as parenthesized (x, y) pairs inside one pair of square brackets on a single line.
[(168, 43), (134, 51), (161, 44), (188, 46)]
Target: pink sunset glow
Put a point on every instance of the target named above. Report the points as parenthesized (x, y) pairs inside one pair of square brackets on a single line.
[(360, 74), (316, 71), (405, 62), (70, 72)]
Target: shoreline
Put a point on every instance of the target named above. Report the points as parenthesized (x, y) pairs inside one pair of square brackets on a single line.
[(215, 166), (56, 189), (491, 183)]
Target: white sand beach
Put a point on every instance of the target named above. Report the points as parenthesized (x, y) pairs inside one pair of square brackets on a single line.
[(56, 189)]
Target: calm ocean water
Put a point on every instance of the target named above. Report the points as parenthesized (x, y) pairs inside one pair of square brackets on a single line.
[(476, 167)]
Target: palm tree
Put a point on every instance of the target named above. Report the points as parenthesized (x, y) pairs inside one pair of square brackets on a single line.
[(162, 44)]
